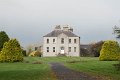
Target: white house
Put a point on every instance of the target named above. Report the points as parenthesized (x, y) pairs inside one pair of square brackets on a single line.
[(61, 41)]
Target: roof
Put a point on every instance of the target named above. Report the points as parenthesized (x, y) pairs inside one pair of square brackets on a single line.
[(56, 33)]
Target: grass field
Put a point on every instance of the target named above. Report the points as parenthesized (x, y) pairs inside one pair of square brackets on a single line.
[(28, 71), (93, 66)]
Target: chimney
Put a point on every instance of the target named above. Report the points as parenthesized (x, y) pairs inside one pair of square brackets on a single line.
[(67, 28), (57, 27), (71, 29)]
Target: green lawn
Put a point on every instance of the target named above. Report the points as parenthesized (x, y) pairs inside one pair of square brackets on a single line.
[(30, 71), (26, 71), (93, 66)]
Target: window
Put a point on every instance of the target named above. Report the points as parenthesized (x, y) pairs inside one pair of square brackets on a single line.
[(69, 40), (62, 48), (53, 40), (69, 49), (62, 40), (75, 41), (47, 40), (74, 49), (53, 49), (47, 49)]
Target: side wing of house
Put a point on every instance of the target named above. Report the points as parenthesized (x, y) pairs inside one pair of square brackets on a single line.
[(74, 46)]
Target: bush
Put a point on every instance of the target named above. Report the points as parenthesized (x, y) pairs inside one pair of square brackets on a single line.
[(110, 51), (11, 52), (35, 53)]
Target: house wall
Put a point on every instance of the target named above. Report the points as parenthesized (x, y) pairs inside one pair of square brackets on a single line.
[(72, 45), (58, 46), (65, 45), (50, 45)]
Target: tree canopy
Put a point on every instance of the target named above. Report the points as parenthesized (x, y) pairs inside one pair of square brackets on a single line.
[(3, 38), (96, 48), (110, 51), (11, 52)]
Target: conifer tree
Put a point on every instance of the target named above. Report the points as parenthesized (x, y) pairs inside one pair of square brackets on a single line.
[(110, 51), (11, 52), (3, 38)]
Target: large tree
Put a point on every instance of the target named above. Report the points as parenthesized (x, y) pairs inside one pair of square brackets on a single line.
[(110, 51), (96, 48), (3, 38)]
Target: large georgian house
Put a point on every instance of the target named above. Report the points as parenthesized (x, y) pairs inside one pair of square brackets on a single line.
[(61, 41)]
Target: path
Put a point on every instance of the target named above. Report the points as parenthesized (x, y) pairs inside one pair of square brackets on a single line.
[(64, 73)]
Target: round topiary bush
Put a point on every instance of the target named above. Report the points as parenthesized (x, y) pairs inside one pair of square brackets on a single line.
[(110, 51), (11, 52)]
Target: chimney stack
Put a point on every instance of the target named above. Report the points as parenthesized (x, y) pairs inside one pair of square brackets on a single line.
[(57, 27), (67, 28)]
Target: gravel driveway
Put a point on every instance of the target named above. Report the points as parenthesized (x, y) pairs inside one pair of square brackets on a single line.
[(64, 73)]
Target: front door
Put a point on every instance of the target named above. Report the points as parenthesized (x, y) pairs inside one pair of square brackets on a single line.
[(62, 50)]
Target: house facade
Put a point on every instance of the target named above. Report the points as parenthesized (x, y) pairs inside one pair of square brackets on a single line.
[(61, 41)]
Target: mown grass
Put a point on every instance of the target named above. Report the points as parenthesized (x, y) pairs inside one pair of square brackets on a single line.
[(89, 65), (93, 66), (28, 71)]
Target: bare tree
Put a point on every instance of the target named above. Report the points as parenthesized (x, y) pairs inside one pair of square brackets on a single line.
[(29, 49)]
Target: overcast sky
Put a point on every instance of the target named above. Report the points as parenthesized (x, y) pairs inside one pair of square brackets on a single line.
[(29, 20)]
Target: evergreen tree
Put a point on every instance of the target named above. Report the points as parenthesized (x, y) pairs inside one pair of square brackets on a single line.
[(110, 51), (3, 38), (11, 52)]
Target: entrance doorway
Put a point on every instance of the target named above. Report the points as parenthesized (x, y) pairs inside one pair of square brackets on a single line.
[(62, 50)]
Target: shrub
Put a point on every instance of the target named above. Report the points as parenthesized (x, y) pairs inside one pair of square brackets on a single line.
[(110, 51), (35, 53), (11, 52)]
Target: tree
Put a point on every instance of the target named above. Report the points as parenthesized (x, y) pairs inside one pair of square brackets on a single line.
[(23, 51), (3, 38), (29, 49), (11, 52), (116, 31), (84, 52), (110, 51), (96, 48)]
